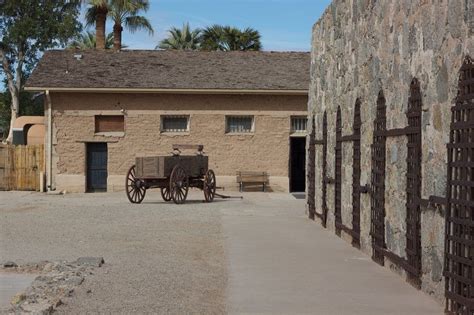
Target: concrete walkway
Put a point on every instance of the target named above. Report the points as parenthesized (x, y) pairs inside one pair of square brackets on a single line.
[(281, 262)]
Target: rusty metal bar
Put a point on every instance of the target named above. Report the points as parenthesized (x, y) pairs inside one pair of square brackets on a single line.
[(413, 185), (310, 172), (350, 138), (377, 228), (356, 172), (459, 226), (397, 131), (338, 173), (324, 168)]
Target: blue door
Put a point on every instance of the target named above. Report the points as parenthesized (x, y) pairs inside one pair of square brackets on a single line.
[(96, 167)]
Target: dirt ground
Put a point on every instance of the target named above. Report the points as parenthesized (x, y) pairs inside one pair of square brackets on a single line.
[(259, 255), (159, 257)]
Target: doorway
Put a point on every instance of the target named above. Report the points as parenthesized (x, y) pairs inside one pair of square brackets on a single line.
[(297, 164), (96, 167)]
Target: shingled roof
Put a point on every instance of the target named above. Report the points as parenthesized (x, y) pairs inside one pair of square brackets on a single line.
[(173, 70)]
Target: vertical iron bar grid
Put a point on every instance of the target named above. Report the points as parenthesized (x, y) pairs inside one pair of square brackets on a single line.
[(338, 171), (377, 229), (459, 232), (413, 185), (356, 176)]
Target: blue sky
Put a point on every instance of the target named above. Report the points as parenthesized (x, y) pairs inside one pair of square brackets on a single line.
[(284, 24)]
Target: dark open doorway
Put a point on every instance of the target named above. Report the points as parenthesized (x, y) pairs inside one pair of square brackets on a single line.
[(96, 167), (297, 164)]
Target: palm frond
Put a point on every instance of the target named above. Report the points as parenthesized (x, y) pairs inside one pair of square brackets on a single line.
[(91, 16), (181, 39), (135, 23)]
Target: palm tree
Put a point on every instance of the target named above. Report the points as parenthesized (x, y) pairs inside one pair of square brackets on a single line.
[(122, 12), (212, 38), (181, 39), (249, 40), (227, 38), (88, 41), (96, 15), (125, 12)]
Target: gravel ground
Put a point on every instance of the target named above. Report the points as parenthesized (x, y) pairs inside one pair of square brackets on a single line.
[(160, 258)]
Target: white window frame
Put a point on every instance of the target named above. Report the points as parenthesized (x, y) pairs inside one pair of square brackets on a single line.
[(229, 132), (163, 117), (299, 132)]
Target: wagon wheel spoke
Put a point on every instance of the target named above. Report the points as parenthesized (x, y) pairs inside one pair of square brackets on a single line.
[(166, 193), (209, 186), (179, 185), (134, 187)]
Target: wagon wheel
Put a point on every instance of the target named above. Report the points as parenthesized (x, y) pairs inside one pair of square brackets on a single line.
[(209, 186), (179, 185), (134, 187), (166, 193)]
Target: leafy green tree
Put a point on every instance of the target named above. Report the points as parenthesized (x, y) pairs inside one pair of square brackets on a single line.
[(123, 13), (228, 38), (87, 40), (27, 28), (181, 39)]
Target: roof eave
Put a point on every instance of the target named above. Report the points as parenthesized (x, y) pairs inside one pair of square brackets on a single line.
[(170, 91)]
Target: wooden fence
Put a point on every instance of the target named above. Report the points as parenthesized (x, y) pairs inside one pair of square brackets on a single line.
[(21, 166)]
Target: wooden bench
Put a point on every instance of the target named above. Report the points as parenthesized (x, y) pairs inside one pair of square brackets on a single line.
[(245, 177)]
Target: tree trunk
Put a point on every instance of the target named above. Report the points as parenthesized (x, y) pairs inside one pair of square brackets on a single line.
[(12, 121), (100, 28), (118, 36), (14, 86)]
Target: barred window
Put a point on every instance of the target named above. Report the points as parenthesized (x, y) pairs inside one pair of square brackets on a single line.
[(174, 123), (298, 124), (239, 124)]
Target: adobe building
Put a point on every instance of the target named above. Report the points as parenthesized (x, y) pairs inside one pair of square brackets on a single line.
[(390, 159), (28, 130), (104, 108)]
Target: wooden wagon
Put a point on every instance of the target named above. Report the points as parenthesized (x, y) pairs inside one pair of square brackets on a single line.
[(173, 174)]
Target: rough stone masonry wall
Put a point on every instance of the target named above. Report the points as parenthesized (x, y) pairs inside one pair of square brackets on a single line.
[(266, 149), (360, 47)]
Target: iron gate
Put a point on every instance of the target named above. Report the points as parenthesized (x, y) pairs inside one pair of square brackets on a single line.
[(356, 176), (459, 238), (377, 228), (338, 175), (356, 188), (413, 185)]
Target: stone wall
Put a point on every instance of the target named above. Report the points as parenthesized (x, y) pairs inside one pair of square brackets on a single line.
[(362, 47), (265, 149)]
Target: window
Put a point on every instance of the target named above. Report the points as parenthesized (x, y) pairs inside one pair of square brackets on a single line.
[(298, 124), (109, 123), (239, 124), (174, 123)]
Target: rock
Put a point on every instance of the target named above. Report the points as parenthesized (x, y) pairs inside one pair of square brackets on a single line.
[(74, 280), (43, 307), (90, 261), (9, 264), (18, 298), (56, 281)]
